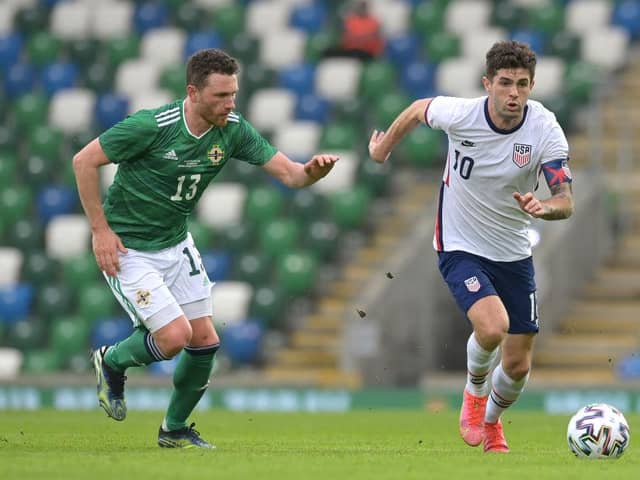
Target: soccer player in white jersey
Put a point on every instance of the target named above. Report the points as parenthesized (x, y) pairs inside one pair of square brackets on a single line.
[(167, 156), (499, 145)]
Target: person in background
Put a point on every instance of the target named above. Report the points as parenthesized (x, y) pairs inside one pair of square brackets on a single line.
[(166, 157), (499, 145), (361, 34)]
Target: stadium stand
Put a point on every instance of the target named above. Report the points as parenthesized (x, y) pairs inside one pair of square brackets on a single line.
[(287, 264)]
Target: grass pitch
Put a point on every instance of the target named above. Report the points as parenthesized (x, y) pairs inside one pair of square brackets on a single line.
[(355, 446)]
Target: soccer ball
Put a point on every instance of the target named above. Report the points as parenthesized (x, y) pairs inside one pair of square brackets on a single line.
[(598, 430)]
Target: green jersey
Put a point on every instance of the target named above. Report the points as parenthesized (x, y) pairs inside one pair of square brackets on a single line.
[(163, 170)]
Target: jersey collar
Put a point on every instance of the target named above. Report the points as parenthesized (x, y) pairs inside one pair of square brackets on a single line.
[(494, 127), (186, 127)]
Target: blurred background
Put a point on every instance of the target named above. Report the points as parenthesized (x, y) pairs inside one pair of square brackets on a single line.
[(336, 286)]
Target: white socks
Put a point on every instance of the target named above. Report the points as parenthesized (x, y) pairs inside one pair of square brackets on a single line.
[(504, 391), (479, 363)]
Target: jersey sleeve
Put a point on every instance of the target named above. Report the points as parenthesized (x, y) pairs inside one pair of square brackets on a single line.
[(444, 112), (250, 146), (129, 138)]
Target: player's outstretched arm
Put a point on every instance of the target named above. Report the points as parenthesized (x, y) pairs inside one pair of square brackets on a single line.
[(382, 143), (106, 243), (557, 207), (297, 175)]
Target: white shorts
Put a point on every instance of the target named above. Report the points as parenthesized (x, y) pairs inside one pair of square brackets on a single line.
[(157, 287)]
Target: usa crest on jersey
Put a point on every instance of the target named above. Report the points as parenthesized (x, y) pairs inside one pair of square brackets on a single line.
[(521, 154)]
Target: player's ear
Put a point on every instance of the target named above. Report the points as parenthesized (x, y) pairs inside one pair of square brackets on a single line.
[(192, 93), (486, 83)]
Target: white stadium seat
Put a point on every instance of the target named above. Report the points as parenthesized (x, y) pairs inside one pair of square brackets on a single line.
[(584, 16), (112, 19), (271, 107), (67, 236), (460, 77), (338, 78), (231, 302), (283, 48), (148, 99), (137, 75), (71, 20), (606, 47), (213, 4), (71, 110), (11, 261), (222, 204), (10, 363), (394, 16), (342, 176), (476, 43), (107, 174), (549, 78), (264, 17), (298, 139), (464, 16), (163, 46)]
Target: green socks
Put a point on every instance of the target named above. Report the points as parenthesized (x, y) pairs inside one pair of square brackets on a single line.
[(137, 350)]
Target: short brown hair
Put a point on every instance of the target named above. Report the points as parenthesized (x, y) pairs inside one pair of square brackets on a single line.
[(510, 54), (205, 62)]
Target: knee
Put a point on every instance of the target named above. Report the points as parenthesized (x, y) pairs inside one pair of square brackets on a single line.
[(175, 341), (516, 370), (491, 336)]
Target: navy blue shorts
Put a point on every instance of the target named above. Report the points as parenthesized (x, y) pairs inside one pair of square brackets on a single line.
[(471, 278)]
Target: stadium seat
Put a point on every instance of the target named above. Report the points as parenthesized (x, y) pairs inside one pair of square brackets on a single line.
[(11, 259), (228, 19), (27, 333), (389, 106), (244, 173), (318, 44), (476, 42), (626, 14), (509, 15), (377, 79), (352, 111), (394, 16), (463, 16), (165, 368), (607, 48), (41, 362), (188, 17), (580, 80), (244, 47), (321, 238), (231, 195), (137, 76), (38, 269), (313, 108), (548, 19), (98, 77), (82, 52), (264, 18), (564, 45), (306, 205), (172, 79), (375, 177), (7, 14), (110, 108), (460, 77), (45, 141), (11, 359), (58, 76), (349, 207), (201, 234), (69, 336), (549, 78), (30, 20), (417, 79), (217, 264), (428, 17), (149, 15), (339, 136), (271, 107), (279, 236), (282, 48), (440, 46), (53, 200), (120, 49), (27, 234), (309, 18), (8, 168), (95, 301), (71, 20), (52, 300), (20, 79), (343, 175), (230, 302), (111, 19), (72, 110), (80, 270), (253, 268), (243, 342), (299, 140), (348, 70), (255, 76), (67, 236), (15, 202), (107, 331), (585, 16), (237, 238), (15, 302), (29, 110), (268, 303), (402, 49), (200, 40), (150, 98), (43, 48), (534, 38), (39, 170), (422, 147), (297, 78), (10, 49), (263, 205), (297, 272), (163, 46)]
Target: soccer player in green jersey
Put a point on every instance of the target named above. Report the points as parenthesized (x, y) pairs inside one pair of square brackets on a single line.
[(166, 157)]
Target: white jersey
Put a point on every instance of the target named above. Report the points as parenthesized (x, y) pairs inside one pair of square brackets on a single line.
[(485, 165)]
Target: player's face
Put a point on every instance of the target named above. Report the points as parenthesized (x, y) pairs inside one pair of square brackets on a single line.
[(216, 99), (508, 92)]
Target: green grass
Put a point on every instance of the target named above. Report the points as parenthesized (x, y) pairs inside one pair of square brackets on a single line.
[(357, 445)]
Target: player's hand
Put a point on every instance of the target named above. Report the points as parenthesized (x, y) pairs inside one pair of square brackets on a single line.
[(375, 148), (106, 245), (530, 204), (320, 165)]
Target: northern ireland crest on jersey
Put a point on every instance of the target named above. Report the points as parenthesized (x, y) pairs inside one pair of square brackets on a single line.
[(143, 298), (472, 284), (216, 155), (521, 154)]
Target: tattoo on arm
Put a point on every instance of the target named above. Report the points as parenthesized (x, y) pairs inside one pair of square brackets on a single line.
[(560, 203)]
